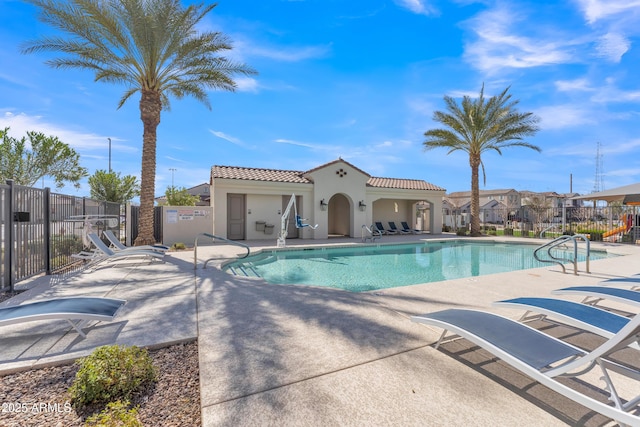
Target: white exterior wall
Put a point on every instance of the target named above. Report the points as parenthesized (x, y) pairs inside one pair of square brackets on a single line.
[(182, 224), (353, 186), (263, 201)]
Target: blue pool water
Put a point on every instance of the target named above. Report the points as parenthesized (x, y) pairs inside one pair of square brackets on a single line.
[(367, 268)]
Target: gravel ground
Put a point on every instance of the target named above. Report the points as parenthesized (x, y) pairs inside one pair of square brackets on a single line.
[(43, 400)]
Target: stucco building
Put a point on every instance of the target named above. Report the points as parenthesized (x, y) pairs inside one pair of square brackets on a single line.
[(248, 203)]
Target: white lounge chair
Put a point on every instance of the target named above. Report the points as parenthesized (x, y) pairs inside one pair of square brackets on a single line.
[(103, 253), (395, 229), (117, 245), (405, 227), (78, 311), (582, 316), (382, 230), (594, 294), (632, 282), (543, 357)]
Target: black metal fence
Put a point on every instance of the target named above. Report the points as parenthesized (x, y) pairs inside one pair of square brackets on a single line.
[(620, 224), (40, 230), (157, 223)]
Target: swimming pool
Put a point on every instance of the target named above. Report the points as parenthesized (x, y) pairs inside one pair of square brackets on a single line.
[(372, 267)]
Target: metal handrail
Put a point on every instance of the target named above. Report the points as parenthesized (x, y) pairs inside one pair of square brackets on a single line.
[(559, 241), (213, 236), (541, 235), (373, 235)]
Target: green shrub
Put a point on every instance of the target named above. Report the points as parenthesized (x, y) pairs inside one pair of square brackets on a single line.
[(116, 414), (461, 232), (178, 246), (508, 231), (110, 373)]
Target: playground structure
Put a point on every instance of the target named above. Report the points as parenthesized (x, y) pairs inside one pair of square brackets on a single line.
[(617, 233), (284, 222)]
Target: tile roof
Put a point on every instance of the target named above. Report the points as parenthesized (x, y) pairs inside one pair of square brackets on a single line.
[(258, 174), (405, 184), (276, 175)]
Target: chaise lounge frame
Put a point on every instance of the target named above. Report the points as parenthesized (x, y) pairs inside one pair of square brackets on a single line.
[(543, 357), (78, 311)]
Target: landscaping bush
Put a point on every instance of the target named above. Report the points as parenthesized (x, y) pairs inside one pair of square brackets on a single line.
[(508, 231), (116, 414), (594, 235), (178, 246), (461, 232), (111, 373)]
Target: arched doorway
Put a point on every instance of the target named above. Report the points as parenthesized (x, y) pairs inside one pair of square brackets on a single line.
[(339, 217)]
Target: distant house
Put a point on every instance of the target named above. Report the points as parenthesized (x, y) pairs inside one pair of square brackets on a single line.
[(201, 191), (495, 206), (340, 198)]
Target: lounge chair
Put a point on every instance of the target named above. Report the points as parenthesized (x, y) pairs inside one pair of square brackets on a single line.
[(392, 226), (543, 357), (79, 309), (594, 294), (381, 229), (406, 228), (633, 282), (104, 253), (117, 245), (582, 316)]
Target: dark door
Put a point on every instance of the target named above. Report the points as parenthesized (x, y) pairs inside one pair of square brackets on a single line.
[(235, 216)]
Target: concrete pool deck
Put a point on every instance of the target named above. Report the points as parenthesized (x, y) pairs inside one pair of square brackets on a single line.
[(296, 355)]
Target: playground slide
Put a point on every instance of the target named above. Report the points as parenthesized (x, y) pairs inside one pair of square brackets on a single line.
[(615, 231)]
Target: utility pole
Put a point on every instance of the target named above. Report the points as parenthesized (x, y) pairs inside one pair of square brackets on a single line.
[(173, 170), (109, 154)]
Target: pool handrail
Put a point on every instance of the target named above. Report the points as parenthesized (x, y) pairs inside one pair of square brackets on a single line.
[(214, 237), (373, 235), (559, 241)]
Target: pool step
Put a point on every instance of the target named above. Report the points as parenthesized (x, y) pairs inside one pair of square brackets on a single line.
[(244, 270)]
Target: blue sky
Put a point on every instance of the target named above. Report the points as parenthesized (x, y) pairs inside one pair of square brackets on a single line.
[(361, 80)]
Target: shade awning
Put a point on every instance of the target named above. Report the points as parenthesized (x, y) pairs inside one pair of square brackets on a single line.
[(627, 194)]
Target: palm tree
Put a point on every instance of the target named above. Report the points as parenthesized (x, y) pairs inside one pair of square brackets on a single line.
[(150, 46), (477, 126)]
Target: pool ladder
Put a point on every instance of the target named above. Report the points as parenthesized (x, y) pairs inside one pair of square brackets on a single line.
[(374, 233), (563, 240)]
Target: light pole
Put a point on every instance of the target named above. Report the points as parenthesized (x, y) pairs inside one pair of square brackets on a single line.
[(109, 154), (172, 172)]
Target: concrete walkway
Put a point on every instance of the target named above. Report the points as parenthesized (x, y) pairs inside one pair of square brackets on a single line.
[(297, 355)]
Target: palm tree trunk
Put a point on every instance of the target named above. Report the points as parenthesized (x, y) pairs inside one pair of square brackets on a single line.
[(475, 197), (150, 107)]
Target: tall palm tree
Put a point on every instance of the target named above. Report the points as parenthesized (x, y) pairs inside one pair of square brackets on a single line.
[(479, 125), (152, 47)]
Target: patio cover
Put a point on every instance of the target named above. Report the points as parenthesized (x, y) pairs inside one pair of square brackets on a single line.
[(627, 194)]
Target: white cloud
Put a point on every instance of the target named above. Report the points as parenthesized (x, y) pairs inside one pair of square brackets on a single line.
[(612, 46), (296, 143), (285, 54), (226, 137), (581, 85), (595, 10), (417, 6), (564, 116), (247, 84), (78, 140), (498, 45)]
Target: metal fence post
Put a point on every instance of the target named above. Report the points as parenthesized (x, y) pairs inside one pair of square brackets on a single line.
[(9, 247), (46, 208)]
